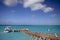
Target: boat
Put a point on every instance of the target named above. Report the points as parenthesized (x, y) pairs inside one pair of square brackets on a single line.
[(7, 29), (14, 30)]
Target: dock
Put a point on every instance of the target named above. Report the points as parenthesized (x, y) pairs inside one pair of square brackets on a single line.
[(37, 36), (40, 36)]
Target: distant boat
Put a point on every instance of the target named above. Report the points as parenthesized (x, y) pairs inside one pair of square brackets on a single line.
[(48, 29), (7, 29)]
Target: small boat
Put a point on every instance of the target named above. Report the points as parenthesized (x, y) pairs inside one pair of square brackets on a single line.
[(7, 29), (14, 30)]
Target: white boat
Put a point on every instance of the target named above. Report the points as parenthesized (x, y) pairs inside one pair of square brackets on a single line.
[(7, 30)]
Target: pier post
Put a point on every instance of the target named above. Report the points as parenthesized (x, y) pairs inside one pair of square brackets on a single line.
[(40, 38), (36, 38)]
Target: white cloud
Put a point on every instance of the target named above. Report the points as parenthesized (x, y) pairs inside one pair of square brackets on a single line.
[(10, 2), (53, 15), (36, 5), (33, 15), (20, 1), (28, 3), (47, 9), (13, 11), (32, 4)]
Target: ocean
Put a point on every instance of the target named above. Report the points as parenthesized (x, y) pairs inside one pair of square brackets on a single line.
[(48, 29)]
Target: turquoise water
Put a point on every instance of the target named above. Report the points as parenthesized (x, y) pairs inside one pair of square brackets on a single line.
[(32, 28)]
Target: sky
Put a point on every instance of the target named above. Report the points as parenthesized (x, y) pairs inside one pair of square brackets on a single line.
[(30, 12)]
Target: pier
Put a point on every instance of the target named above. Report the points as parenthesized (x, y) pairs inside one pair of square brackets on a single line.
[(40, 36), (37, 36)]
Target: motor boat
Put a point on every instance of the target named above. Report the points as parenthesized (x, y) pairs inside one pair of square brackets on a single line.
[(7, 29)]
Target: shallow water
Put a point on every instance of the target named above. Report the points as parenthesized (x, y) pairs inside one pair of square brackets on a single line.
[(32, 28)]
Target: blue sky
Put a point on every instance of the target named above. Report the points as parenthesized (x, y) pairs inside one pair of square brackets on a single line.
[(36, 12)]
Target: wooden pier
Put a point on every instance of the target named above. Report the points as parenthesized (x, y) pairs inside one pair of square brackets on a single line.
[(40, 36)]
